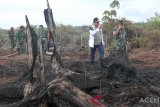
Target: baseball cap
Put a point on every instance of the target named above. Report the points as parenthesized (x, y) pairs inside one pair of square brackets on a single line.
[(96, 19)]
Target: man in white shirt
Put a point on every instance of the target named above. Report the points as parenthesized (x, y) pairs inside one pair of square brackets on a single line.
[(96, 39)]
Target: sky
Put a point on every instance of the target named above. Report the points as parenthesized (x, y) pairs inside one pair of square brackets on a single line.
[(72, 12)]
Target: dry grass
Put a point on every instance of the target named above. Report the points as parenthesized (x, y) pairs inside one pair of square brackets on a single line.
[(146, 57)]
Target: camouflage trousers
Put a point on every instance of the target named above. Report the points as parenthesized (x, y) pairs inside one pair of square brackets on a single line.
[(120, 43), (22, 48)]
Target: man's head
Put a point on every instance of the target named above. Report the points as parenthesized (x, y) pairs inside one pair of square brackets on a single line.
[(96, 21), (41, 26), (12, 29), (21, 28), (120, 21)]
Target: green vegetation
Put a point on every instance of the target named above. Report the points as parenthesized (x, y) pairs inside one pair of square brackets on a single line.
[(147, 34), (142, 34), (72, 35), (3, 36)]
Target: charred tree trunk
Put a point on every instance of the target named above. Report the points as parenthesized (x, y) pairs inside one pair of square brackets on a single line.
[(32, 48), (67, 91), (56, 60), (41, 61)]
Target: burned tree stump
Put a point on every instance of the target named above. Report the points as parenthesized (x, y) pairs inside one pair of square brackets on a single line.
[(32, 48), (41, 60), (118, 66)]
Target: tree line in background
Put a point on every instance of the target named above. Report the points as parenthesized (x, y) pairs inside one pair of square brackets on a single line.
[(141, 34)]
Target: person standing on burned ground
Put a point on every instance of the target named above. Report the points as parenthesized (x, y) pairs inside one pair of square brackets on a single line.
[(21, 40), (42, 35), (119, 33), (11, 35), (96, 40)]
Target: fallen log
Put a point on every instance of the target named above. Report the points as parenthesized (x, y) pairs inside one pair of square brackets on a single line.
[(155, 90), (11, 55), (11, 94), (66, 90), (60, 88), (84, 82)]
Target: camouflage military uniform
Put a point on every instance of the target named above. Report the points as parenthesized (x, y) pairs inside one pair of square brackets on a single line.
[(11, 35), (21, 40), (42, 34), (120, 39)]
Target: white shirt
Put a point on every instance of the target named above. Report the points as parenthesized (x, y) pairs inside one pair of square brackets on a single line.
[(92, 33)]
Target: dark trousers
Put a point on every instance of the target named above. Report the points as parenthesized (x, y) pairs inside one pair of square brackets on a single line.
[(12, 44), (101, 52), (48, 45)]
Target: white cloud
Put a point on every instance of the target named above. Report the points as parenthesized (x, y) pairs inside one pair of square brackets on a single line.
[(74, 12), (138, 10)]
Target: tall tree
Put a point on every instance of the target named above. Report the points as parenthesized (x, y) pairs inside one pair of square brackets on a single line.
[(109, 16)]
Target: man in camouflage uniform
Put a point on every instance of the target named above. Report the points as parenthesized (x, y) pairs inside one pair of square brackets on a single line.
[(11, 35), (119, 34), (42, 34), (21, 39)]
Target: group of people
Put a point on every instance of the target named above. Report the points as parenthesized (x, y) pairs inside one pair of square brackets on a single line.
[(96, 38), (18, 40)]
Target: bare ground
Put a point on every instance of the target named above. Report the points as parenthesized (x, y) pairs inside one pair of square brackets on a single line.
[(121, 94)]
